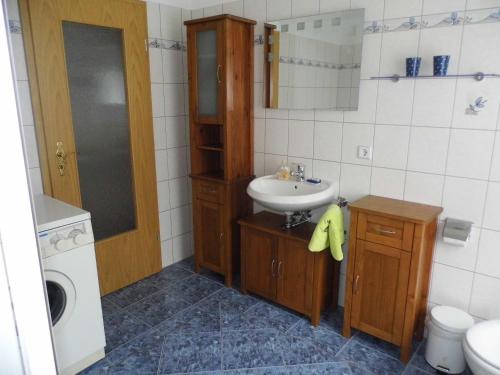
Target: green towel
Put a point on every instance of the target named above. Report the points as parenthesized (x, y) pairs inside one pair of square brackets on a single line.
[(329, 231)]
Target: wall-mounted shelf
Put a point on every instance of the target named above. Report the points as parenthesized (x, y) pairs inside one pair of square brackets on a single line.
[(479, 76)]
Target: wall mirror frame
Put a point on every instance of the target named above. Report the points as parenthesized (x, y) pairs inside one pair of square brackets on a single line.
[(314, 62)]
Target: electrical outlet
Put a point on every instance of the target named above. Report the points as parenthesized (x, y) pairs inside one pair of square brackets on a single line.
[(365, 152)]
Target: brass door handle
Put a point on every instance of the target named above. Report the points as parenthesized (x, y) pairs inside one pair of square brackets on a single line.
[(279, 269), (356, 282), (218, 73), (60, 158), (272, 268)]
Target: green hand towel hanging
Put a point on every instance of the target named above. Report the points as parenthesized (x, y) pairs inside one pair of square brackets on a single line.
[(329, 232)]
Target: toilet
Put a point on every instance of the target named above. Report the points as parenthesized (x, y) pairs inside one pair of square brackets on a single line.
[(481, 346)]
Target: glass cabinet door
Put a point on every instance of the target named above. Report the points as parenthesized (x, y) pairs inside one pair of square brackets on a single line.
[(209, 74)]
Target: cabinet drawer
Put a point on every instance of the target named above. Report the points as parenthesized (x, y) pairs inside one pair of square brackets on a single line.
[(208, 191), (385, 231)]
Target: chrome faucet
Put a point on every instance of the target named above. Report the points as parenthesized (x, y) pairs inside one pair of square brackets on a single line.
[(300, 173)]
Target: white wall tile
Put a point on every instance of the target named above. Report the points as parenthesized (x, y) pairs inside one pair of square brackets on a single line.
[(477, 52), (424, 188), (154, 23), (304, 8), (161, 165), (160, 133), (177, 162), (175, 131), (374, 9), (259, 134), (18, 56), (328, 141), (354, 181), (328, 115), (354, 135), (167, 256), (172, 66), (255, 9), (157, 99), (396, 47), (155, 65), (174, 99), (197, 13), (333, 5), (443, 6), (387, 183), (30, 145), (181, 220), (428, 147), (485, 301), (480, 4), (467, 92), (370, 59), (272, 163), (394, 102), (300, 138), (278, 9), (171, 20), (450, 286), (327, 170), (391, 146), (492, 208), (367, 104), (276, 136), (179, 192), (433, 104), (165, 225), (163, 196), (457, 256), (258, 164), (35, 177), (182, 247), (213, 10), (402, 8), (469, 154), (439, 41), (495, 163), (23, 91), (488, 260), (463, 199), (234, 7)]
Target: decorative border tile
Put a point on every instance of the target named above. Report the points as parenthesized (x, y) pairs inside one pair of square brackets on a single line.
[(15, 27), (483, 16), (443, 20), (317, 63), (167, 44), (402, 24)]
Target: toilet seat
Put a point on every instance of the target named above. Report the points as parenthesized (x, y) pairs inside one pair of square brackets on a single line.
[(482, 341)]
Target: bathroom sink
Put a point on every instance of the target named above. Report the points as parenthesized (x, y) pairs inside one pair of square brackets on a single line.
[(290, 195)]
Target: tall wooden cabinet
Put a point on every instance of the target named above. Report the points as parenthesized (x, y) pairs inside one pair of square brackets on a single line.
[(390, 255), (220, 71)]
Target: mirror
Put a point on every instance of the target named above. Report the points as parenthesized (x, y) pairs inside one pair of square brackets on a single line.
[(314, 62)]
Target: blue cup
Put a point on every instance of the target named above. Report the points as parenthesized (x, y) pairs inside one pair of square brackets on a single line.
[(412, 66), (441, 65)]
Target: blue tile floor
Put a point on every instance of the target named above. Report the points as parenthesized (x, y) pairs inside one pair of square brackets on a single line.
[(179, 322)]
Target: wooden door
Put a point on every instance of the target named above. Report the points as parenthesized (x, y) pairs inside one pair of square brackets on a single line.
[(379, 290), (206, 72), (95, 134), (209, 235), (260, 262), (295, 275)]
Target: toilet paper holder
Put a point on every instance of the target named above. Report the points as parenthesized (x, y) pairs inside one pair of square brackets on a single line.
[(456, 231)]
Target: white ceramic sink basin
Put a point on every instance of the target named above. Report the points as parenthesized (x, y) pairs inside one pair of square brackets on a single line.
[(290, 195)]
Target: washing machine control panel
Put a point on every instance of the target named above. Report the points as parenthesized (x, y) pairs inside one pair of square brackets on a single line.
[(65, 238)]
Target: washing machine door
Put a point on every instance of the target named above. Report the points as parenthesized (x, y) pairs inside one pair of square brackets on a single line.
[(62, 297)]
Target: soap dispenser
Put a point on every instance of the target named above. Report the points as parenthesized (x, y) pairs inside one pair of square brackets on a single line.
[(283, 172)]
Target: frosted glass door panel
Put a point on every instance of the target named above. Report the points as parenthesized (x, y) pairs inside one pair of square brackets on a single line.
[(94, 60), (207, 80)]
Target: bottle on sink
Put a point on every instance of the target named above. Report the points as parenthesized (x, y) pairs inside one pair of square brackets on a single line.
[(283, 172)]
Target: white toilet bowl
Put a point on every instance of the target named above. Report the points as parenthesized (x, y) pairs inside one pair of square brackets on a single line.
[(482, 348)]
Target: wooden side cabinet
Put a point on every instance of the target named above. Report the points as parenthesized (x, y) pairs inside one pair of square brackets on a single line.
[(276, 264), (390, 255)]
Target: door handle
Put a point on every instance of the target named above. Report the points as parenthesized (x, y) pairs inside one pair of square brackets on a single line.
[(218, 73), (60, 158), (272, 268), (356, 283), (279, 269)]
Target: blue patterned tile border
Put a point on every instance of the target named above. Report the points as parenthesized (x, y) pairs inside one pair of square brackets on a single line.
[(444, 20), (483, 16), (316, 63), (402, 24), (15, 27), (174, 45)]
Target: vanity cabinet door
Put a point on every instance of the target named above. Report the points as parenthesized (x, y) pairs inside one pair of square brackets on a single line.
[(295, 273), (209, 235), (260, 263), (206, 71), (379, 290)]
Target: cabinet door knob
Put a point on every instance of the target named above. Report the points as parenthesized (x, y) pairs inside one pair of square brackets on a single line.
[(356, 283), (272, 268)]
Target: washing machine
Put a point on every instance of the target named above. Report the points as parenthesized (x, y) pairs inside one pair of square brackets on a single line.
[(67, 248)]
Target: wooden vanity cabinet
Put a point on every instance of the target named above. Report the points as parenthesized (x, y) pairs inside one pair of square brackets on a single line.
[(220, 74), (391, 244), (276, 264)]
